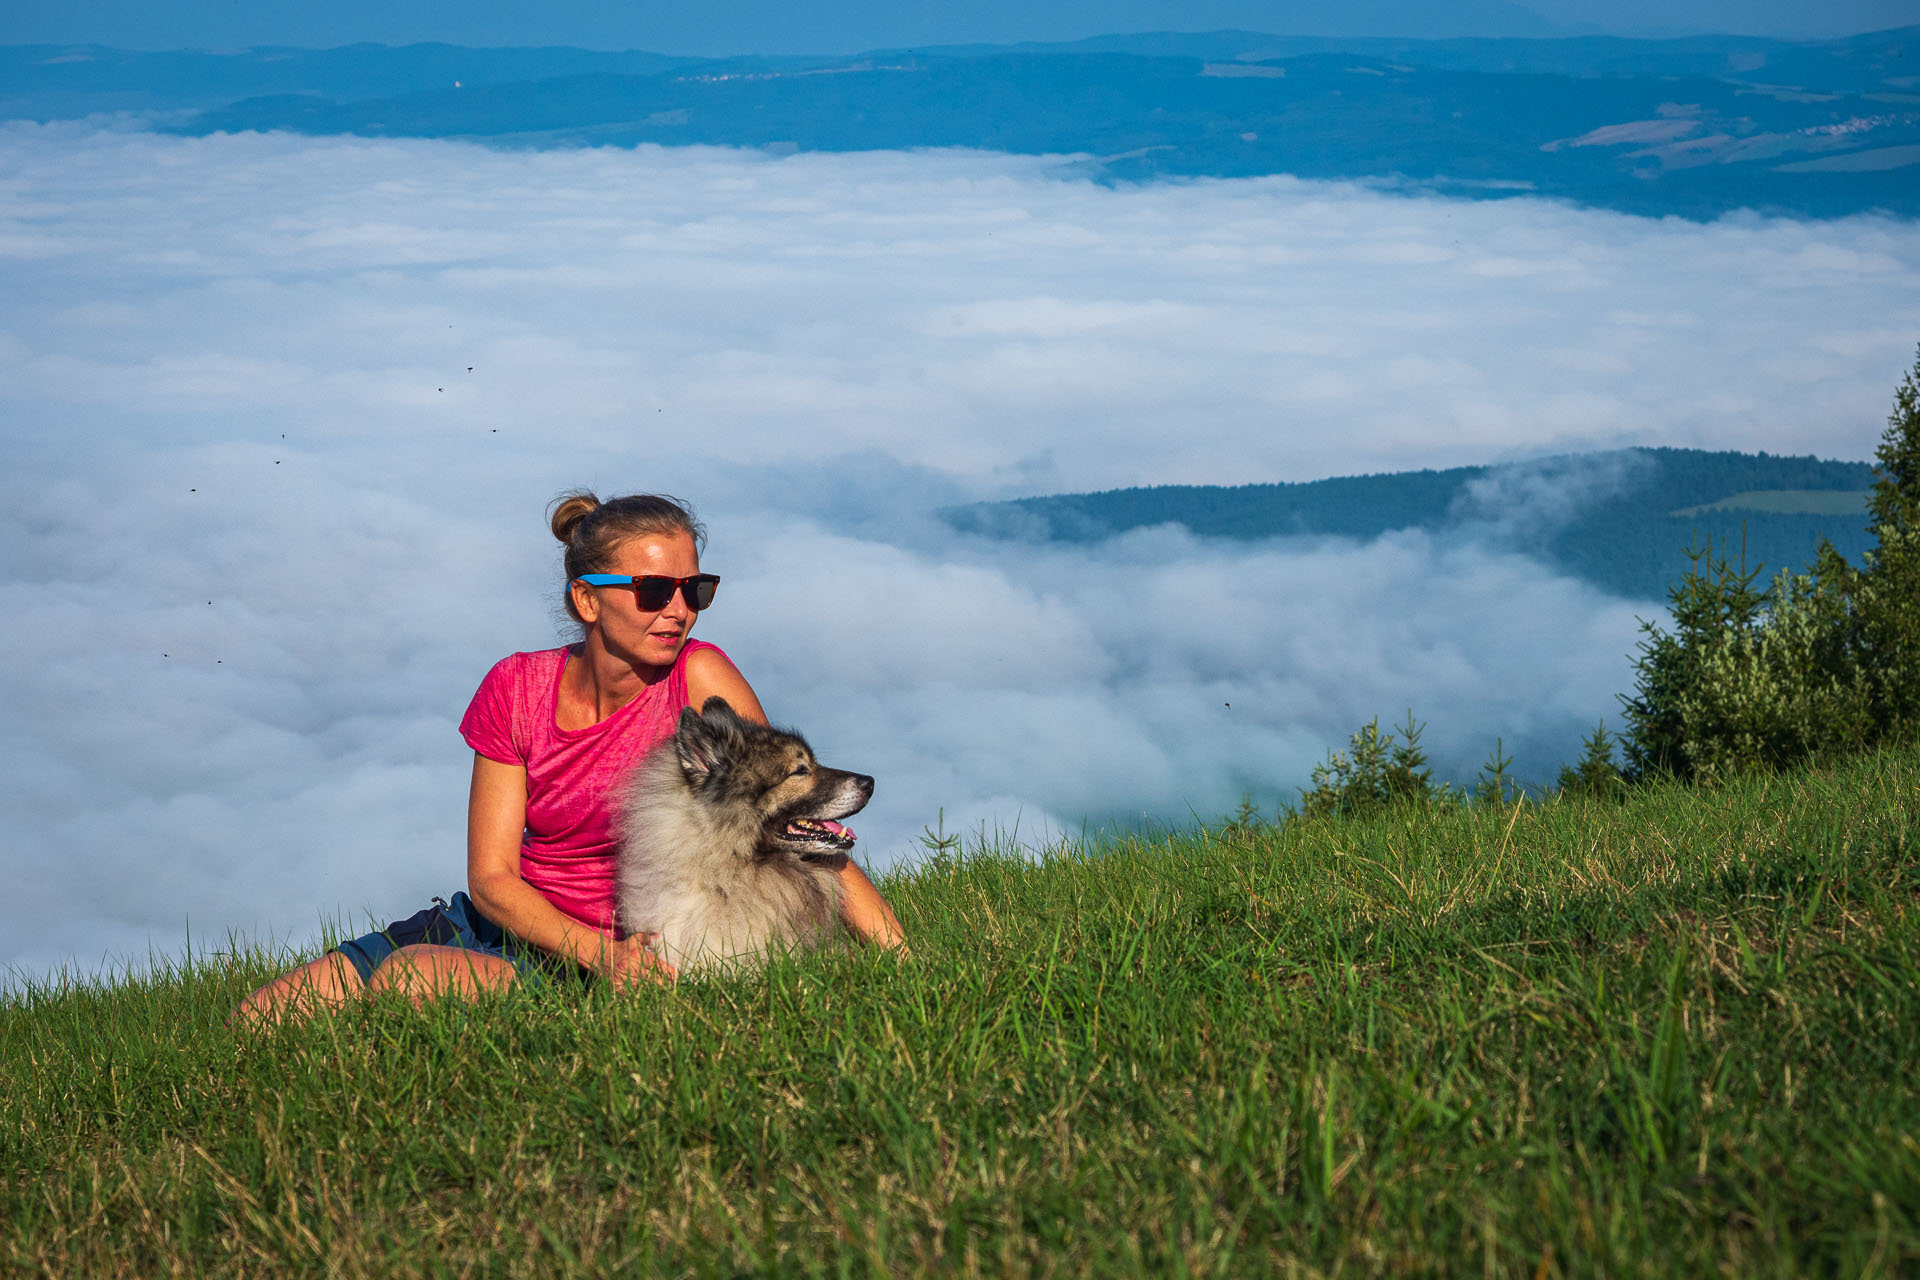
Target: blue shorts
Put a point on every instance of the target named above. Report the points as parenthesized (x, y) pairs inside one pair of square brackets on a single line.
[(453, 924)]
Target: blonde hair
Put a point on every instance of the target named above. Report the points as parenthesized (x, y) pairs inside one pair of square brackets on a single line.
[(592, 530)]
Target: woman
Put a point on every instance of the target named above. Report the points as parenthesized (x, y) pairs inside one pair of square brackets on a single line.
[(552, 732)]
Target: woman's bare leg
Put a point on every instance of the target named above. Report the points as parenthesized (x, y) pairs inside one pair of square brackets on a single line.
[(427, 972), (318, 986)]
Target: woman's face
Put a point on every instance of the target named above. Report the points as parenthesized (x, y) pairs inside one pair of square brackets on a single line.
[(624, 629)]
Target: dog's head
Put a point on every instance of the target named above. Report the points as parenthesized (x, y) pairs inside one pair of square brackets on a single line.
[(770, 775)]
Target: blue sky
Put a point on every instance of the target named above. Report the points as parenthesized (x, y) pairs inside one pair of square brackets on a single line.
[(780, 26)]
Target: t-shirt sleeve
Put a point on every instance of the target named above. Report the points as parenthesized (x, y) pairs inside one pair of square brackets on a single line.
[(489, 725)]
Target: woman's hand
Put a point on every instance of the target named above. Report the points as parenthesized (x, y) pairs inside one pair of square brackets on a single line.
[(629, 962)]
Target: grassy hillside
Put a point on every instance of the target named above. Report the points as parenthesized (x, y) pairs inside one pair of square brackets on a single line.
[(1620, 520), (1674, 1036)]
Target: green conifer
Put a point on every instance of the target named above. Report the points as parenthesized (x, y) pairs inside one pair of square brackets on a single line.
[(1376, 771), (1596, 775), (1407, 776), (1818, 664), (1715, 613), (1888, 599), (1494, 783)]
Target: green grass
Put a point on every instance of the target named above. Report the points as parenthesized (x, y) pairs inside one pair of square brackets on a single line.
[(1673, 1036)]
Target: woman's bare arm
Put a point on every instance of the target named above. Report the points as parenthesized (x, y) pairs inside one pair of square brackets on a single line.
[(496, 820), (866, 913), (710, 675)]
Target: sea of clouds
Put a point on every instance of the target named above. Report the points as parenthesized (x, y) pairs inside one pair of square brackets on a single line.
[(282, 417)]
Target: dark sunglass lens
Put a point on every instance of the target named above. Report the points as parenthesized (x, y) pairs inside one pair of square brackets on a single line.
[(653, 593), (700, 591)]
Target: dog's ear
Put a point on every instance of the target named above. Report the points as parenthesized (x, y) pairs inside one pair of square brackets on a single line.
[(706, 740)]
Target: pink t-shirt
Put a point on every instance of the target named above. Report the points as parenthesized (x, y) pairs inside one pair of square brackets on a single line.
[(568, 850)]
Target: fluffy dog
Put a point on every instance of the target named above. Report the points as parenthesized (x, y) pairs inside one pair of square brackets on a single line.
[(730, 846)]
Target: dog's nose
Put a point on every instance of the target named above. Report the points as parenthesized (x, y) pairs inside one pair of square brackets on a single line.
[(865, 784)]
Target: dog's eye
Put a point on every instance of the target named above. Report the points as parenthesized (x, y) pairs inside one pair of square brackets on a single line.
[(800, 771)]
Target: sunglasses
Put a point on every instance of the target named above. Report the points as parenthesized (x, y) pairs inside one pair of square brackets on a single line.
[(653, 591)]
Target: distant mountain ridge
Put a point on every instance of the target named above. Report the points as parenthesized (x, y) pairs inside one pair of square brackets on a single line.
[(1621, 520), (730, 28), (1695, 127)]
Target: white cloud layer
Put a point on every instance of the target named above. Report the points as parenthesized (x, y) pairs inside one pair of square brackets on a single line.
[(282, 416)]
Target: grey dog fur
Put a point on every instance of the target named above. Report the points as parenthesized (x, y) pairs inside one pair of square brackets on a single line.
[(705, 858)]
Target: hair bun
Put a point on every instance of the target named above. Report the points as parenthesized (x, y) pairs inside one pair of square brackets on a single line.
[(568, 510)]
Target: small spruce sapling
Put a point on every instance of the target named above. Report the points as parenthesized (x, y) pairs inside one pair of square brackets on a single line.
[(1408, 777), (944, 853), (1596, 775), (1378, 770), (1495, 785), (1245, 820)]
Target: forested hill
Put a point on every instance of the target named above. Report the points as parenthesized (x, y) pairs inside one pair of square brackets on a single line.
[(1621, 520)]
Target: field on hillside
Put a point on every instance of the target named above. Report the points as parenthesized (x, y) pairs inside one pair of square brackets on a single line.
[(1671, 1036)]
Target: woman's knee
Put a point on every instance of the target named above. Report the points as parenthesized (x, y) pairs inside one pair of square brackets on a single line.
[(425, 971), (317, 986)]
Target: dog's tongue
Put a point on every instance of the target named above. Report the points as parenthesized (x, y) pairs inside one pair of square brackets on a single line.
[(823, 826)]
